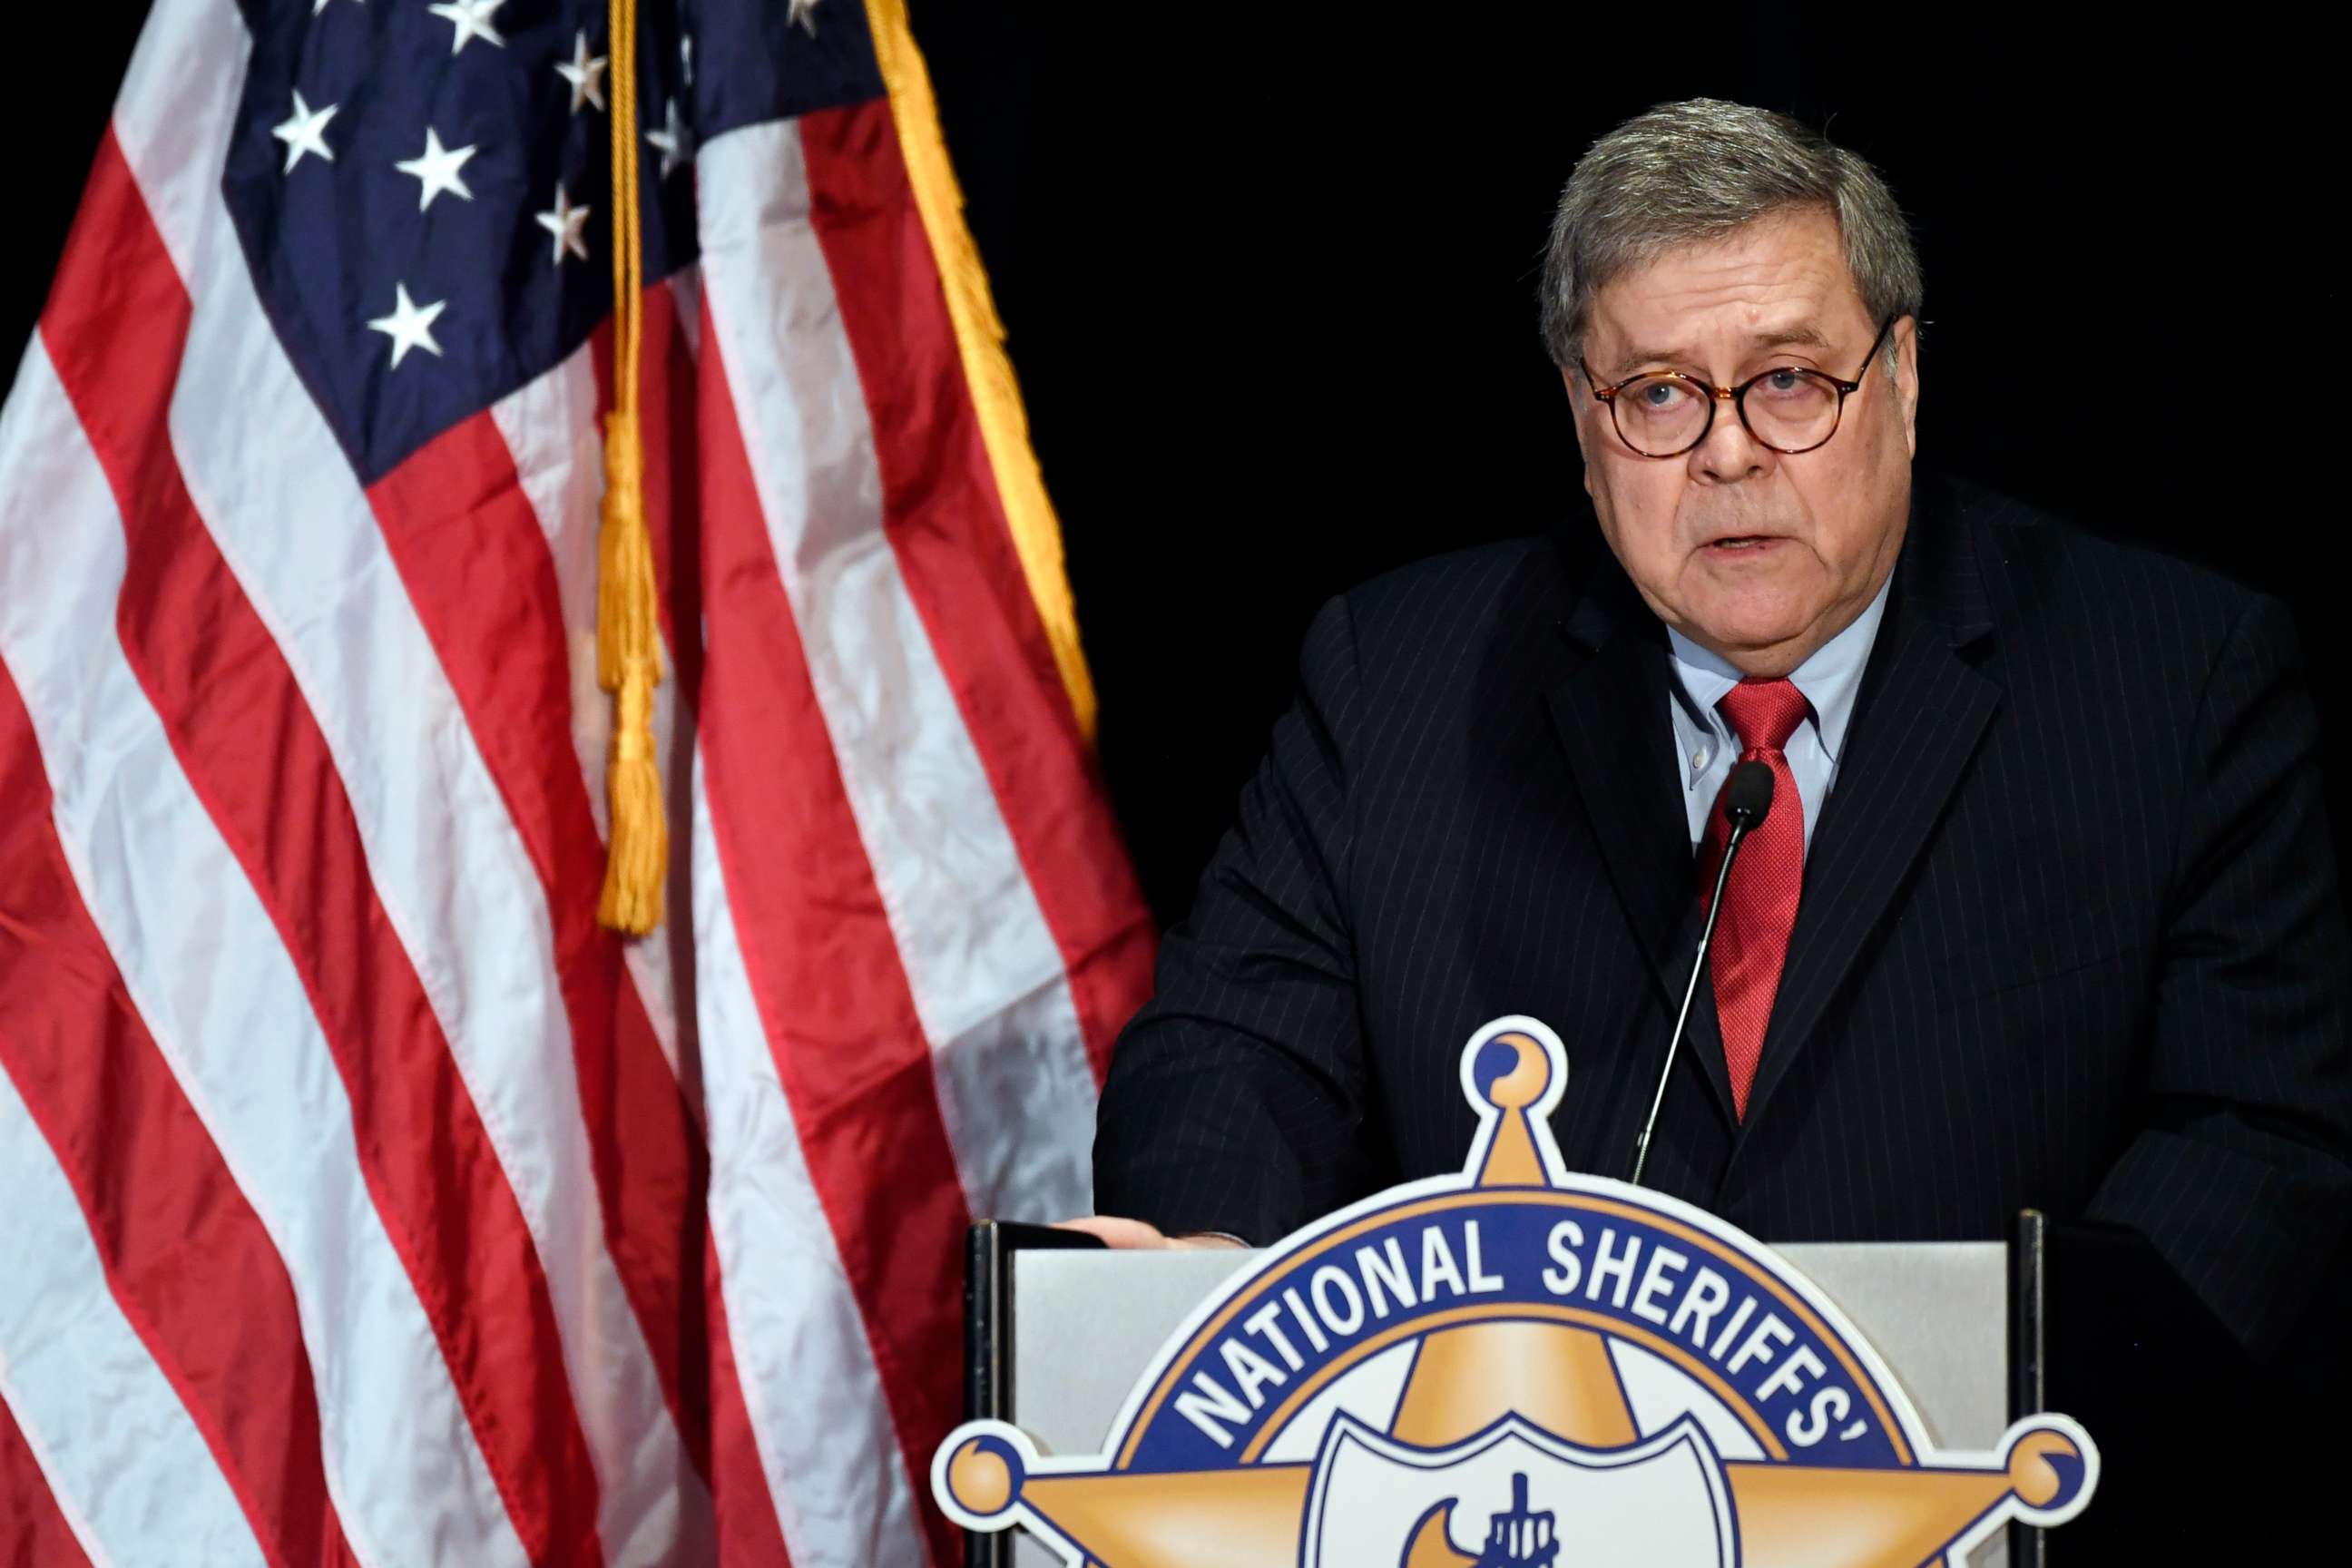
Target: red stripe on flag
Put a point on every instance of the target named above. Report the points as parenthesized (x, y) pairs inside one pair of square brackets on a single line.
[(185, 1255), (748, 1531), (33, 1531), (116, 326), (471, 549), (822, 964), (946, 522)]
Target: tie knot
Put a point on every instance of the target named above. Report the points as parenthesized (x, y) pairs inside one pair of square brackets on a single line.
[(1764, 713)]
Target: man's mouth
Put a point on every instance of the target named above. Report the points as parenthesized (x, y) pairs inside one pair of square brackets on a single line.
[(1731, 543)]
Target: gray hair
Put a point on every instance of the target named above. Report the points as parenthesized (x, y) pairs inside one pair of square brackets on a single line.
[(1694, 171)]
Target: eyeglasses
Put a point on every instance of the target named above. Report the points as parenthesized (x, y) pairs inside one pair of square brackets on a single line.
[(1664, 414)]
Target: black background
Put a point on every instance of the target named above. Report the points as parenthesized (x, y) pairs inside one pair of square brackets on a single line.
[(1268, 283)]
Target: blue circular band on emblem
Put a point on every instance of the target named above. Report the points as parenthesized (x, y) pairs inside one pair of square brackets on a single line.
[(1716, 1317)]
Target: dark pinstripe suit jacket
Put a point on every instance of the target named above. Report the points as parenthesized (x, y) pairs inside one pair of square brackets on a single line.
[(2070, 936)]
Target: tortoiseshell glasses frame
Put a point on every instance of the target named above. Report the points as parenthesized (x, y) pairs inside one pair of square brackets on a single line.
[(1716, 396)]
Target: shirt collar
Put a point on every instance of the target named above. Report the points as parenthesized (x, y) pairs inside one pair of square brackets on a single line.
[(1830, 679)]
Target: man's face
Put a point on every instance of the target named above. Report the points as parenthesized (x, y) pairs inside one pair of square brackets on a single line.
[(1759, 556)]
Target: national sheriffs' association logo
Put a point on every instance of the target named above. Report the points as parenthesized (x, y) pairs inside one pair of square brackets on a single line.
[(1516, 1368)]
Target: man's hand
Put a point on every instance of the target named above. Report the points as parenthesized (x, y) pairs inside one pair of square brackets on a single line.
[(1135, 1235)]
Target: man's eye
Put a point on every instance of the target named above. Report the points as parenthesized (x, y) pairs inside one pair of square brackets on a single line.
[(1661, 394)]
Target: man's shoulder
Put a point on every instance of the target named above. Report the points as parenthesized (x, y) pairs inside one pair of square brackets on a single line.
[(2052, 577), (1471, 582), (1438, 608)]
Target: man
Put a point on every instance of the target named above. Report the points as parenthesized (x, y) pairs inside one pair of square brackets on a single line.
[(2042, 913)]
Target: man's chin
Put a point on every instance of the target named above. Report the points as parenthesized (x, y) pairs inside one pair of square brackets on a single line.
[(1750, 614), (1742, 625)]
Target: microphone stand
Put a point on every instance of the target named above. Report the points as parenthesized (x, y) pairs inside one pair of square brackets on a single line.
[(1741, 821)]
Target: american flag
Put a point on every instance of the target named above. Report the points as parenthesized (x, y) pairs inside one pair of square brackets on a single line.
[(360, 1199)]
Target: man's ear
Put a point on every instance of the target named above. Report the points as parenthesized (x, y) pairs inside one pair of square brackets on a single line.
[(1576, 421), (1907, 379), (1575, 407)]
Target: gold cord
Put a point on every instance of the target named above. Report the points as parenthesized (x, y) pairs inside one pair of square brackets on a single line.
[(629, 643)]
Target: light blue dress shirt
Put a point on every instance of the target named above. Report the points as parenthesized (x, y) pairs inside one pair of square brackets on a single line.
[(1704, 738)]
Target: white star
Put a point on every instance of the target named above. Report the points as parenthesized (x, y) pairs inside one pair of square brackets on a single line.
[(435, 169), (672, 141), (471, 18), (410, 326), (567, 224), (804, 12), (587, 74), (305, 131)]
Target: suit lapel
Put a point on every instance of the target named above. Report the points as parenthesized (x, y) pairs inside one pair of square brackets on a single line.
[(1610, 715), (1922, 711)]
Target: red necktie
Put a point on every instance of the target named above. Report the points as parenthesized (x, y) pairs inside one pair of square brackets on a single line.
[(1759, 902)]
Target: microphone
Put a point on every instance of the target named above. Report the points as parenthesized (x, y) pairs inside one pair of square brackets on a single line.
[(1745, 800)]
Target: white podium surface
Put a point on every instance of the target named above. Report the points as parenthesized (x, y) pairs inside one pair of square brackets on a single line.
[(1085, 1322)]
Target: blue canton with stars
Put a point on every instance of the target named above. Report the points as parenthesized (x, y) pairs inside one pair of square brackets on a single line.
[(423, 188)]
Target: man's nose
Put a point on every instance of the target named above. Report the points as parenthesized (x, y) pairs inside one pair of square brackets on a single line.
[(1729, 453)]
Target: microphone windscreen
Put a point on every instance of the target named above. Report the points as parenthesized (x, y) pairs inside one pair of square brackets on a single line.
[(1748, 796)]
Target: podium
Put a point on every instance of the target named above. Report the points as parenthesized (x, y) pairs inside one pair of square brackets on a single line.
[(1057, 1329)]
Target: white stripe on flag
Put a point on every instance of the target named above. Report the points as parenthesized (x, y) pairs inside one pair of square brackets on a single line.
[(211, 980), (178, 99), (448, 864), (983, 967), (551, 433), (128, 1467), (826, 1443)]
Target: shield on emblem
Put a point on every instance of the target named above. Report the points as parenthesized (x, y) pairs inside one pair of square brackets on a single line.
[(1517, 1497)]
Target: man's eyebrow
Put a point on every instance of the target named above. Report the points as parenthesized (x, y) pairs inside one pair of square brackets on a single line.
[(1632, 357), (1803, 334)]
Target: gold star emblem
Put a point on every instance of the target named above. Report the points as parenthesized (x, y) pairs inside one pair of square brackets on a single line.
[(1481, 1365)]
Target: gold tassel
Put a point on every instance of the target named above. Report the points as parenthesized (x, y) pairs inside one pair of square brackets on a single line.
[(628, 664), (629, 643)]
